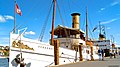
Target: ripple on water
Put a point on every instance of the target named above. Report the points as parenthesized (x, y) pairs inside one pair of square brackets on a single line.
[(4, 62)]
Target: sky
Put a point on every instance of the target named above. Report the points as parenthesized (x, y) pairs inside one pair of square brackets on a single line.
[(35, 17)]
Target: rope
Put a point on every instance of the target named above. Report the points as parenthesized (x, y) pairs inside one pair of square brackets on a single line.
[(90, 27), (62, 22), (83, 26), (69, 6), (45, 24), (64, 11)]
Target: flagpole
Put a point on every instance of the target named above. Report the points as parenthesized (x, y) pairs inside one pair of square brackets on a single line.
[(14, 16)]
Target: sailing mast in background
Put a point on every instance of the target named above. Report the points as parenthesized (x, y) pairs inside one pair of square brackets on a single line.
[(88, 42), (18, 11), (102, 34)]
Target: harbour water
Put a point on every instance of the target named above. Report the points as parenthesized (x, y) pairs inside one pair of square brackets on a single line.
[(4, 62)]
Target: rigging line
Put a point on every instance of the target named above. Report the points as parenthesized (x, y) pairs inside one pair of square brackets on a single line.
[(18, 27), (69, 6), (62, 22), (83, 25), (45, 24), (64, 11), (82, 6), (34, 6), (18, 37), (91, 27), (90, 23), (60, 16), (91, 34), (69, 10)]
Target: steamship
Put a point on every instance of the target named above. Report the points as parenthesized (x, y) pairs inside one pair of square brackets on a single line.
[(65, 48)]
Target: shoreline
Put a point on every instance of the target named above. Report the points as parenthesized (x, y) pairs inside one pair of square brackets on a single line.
[(4, 57)]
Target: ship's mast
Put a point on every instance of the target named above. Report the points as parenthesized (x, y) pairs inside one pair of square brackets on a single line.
[(55, 42), (86, 25), (53, 20), (102, 34), (86, 39)]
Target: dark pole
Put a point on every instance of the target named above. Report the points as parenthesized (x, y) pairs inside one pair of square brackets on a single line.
[(86, 25), (99, 27), (53, 20), (14, 31)]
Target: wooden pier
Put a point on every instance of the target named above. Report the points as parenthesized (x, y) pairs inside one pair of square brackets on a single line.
[(108, 62)]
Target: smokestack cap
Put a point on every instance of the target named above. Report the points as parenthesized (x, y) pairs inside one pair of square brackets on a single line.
[(75, 14)]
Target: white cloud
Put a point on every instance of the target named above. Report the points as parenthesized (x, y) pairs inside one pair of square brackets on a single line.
[(30, 32), (5, 38), (115, 3), (102, 9), (9, 17), (5, 18), (2, 19), (4, 44), (116, 44), (109, 21), (4, 41), (108, 28)]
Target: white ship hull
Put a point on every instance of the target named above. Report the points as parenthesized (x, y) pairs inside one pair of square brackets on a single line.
[(40, 54)]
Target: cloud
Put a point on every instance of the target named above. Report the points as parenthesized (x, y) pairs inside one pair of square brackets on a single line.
[(117, 45), (108, 28), (109, 21), (2, 19), (30, 32), (4, 41), (1, 44), (102, 9), (9, 17), (5, 18), (115, 3)]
